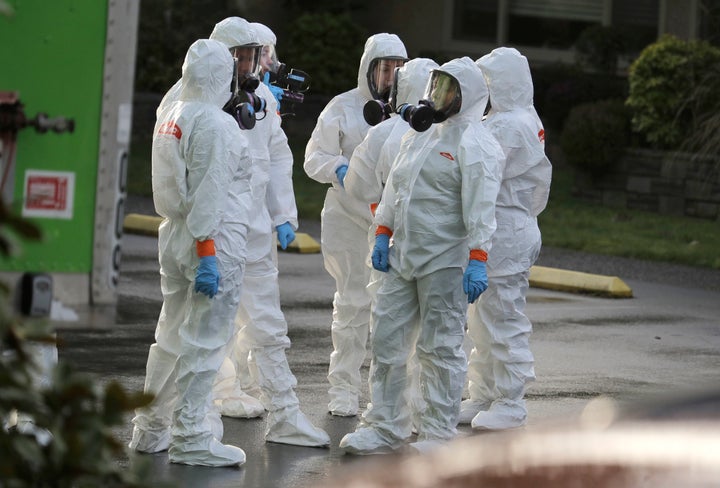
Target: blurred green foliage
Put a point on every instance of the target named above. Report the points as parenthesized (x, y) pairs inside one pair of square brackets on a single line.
[(328, 47), (595, 135), (560, 87), (321, 40), (672, 86), (166, 30), (78, 415)]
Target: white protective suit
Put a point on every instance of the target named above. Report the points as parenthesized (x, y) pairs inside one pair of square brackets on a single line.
[(201, 188), (235, 31), (261, 323), (439, 202), (501, 363), (236, 389), (345, 221), (370, 166), (371, 161)]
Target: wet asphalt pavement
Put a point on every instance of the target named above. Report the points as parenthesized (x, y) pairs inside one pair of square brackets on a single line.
[(665, 340)]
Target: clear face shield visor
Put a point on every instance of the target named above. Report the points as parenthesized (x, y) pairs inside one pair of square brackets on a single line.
[(247, 66), (381, 75), (247, 59), (269, 60), (393, 97), (443, 90)]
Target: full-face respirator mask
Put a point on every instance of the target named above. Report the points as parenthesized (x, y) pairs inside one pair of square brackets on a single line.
[(442, 99), (375, 111), (382, 81), (244, 104)]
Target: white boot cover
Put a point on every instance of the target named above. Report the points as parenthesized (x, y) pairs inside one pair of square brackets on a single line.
[(502, 415), (290, 426), (470, 408), (230, 399), (367, 440), (205, 451)]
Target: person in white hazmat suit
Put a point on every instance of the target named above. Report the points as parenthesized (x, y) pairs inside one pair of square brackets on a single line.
[(371, 162), (500, 363), (263, 329), (237, 389), (260, 321), (201, 188), (269, 62), (439, 208), (345, 220), (273, 205), (238, 35)]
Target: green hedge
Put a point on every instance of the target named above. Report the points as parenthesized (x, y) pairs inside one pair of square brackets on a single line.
[(560, 87), (327, 47), (673, 85), (595, 135)]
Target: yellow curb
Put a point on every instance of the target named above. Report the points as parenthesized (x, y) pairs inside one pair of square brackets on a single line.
[(148, 225), (141, 224), (303, 244), (577, 282)]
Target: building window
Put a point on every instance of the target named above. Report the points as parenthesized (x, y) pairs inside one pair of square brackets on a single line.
[(475, 20), (554, 24), (545, 32), (710, 21), (637, 21)]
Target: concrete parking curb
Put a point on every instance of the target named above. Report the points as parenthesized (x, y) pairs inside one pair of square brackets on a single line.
[(540, 276), (141, 224), (576, 281)]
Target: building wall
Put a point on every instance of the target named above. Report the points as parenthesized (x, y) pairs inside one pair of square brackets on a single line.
[(670, 183), (680, 17), (426, 26)]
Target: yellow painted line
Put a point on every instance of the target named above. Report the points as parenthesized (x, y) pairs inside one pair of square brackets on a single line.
[(148, 225), (577, 282)]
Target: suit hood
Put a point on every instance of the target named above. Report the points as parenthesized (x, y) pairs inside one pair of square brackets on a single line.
[(207, 73), (235, 31), (473, 88), (378, 46), (509, 80), (412, 79)]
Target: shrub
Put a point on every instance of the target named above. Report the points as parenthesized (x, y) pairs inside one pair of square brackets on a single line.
[(559, 88), (165, 32), (668, 92), (328, 47), (704, 139), (78, 414), (595, 135)]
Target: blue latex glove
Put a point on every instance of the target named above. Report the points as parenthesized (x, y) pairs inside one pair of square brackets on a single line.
[(340, 172), (285, 234), (380, 253), (475, 280), (207, 277), (275, 90)]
